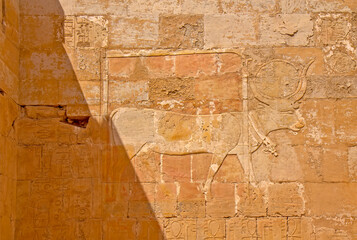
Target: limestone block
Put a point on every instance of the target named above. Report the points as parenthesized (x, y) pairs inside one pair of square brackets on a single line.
[(334, 164), (191, 201), (86, 63), (28, 162), (176, 228), (241, 228), (9, 53), (332, 87), (332, 6), (289, 29), (285, 200), (230, 30), (171, 88), (300, 228), (125, 228), (160, 67), (41, 7), (121, 67), (345, 116), (115, 200), (318, 117), (331, 29), (211, 228), (9, 81), (142, 200), (251, 200), (133, 32), (199, 7), (88, 32), (229, 63), (142, 7), (30, 131), (90, 7), (176, 168), (200, 166), (181, 31), (225, 173), (166, 199), (44, 32), (302, 56), (147, 229), (147, 167), (332, 228), (263, 5), (341, 62), (128, 91), (288, 7), (227, 86), (9, 113), (39, 66), (271, 228), (195, 65), (287, 166), (352, 163), (221, 202), (330, 199)]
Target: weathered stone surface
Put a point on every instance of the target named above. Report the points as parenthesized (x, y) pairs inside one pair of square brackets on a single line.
[(251, 200), (211, 228), (289, 29), (332, 6), (230, 30), (331, 29), (171, 88), (181, 31), (352, 163), (285, 200), (330, 199), (178, 119), (133, 32), (222, 200), (191, 201)]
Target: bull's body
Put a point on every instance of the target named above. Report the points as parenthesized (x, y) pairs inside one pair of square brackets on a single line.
[(177, 134)]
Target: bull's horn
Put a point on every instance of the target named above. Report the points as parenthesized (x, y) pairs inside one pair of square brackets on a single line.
[(300, 91), (259, 96)]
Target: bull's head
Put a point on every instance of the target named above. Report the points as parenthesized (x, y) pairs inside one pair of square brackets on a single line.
[(278, 113)]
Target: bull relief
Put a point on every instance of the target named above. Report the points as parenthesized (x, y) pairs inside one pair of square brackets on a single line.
[(276, 89)]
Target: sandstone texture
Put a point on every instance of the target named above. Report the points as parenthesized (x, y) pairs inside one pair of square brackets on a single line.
[(178, 119)]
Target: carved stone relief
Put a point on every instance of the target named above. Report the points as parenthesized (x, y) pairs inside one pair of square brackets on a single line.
[(277, 86)]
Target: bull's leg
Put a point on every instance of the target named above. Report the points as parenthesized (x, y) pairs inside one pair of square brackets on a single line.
[(216, 163), (246, 163)]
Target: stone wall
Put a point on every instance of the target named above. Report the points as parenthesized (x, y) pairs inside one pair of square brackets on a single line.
[(184, 119), (9, 71)]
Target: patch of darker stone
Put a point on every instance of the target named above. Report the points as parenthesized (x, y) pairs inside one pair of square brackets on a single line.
[(81, 122), (171, 88), (140, 71)]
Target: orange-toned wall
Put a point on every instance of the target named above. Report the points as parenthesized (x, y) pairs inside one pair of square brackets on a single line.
[(9, 81), (71, 64)]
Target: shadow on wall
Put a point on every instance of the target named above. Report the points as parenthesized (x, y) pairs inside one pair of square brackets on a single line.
[(72, 184)]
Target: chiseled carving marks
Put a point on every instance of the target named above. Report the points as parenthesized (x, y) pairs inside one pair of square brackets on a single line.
[(272, 228), (86, 31), (178, 134), (279, 85)]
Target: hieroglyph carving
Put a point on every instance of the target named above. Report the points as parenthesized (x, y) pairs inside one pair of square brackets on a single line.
[(143, 130), (85, 32)]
